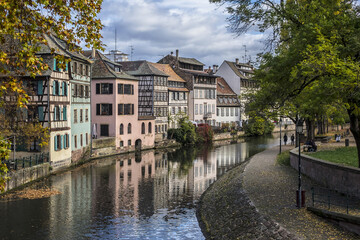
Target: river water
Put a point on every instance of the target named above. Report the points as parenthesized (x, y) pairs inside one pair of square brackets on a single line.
[(148, 196)]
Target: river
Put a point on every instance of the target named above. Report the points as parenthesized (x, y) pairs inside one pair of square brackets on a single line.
[(148, 196)]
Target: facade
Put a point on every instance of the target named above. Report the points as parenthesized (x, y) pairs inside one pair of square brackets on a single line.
[(238, 76), (178, 94), (117, 56), (153, 94), (201, 85), (115, 107), (228, 105)]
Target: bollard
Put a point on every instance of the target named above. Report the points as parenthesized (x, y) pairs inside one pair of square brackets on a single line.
[(346, 142)]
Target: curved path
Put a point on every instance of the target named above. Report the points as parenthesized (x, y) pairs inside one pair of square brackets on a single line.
[(257, 201)]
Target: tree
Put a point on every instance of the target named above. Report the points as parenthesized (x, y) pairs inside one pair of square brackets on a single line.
[(24, 27), (316, 51)]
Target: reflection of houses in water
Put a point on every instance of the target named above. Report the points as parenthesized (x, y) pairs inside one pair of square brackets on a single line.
[(230, 155), (177, 180), (161, 181), (203, 172)]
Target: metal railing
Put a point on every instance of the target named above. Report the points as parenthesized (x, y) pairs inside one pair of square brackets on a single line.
[(30, 161), (335, 201)]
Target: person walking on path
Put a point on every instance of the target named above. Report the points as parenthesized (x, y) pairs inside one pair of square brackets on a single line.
[(285, 138), (292, 139)]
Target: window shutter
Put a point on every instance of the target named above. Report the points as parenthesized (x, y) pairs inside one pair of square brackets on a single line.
[(40, 88), (64, 113), (54, 64), (110, 110), (63, 89), (132, 89), (61, 142), (65, 136), (60, 117), (41, 113), (55, 143), (110, 88), (132, 109), (98, 88), (97, 109), (55, 114), (67, 67), (54, 88)]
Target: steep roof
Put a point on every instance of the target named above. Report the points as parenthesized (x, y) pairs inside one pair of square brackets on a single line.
[(167, 69), (102, 70), (141, 68), (223, 88), (192, 61), (237, 68)]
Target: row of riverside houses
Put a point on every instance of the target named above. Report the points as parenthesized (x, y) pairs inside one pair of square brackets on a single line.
[(132, 102)]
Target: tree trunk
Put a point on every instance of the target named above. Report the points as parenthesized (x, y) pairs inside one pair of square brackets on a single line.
[(355, 130), (310, 130)]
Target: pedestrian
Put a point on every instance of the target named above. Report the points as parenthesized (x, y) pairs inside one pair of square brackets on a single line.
[(292, 139), (285, 139), (335, 136)]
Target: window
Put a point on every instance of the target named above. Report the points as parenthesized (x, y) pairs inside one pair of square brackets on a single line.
[(57, 142), (129, 142), (196, 93), (81, 69), (222, 111), (64, 113), (217, 111), (236, 111), (87, 92), (64, 89), (232, 111), (82, 93), (126, 89), (173, 96), (125, 109), (156, 129), (185, 110), (75, 141), (227, 112), (121, 129), (173, 110), (76, 67), (75, 115), (81, 140), (104, 130), (74, 90), (196, 109), (87, 139), (66, 141), (56, 88), (104, 88), (87, 70), (200, 93), (213, 108), (57, 113), (201, 109), (86, 115), (149, 130), (121, 143), (104, 109), (143, 128), (129, 128), (81, 115)]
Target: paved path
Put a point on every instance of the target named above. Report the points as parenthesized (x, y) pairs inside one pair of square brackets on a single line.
[(272, 189), (257, 201)]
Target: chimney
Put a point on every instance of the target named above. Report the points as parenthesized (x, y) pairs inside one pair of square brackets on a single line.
[(171, 53), (236, 60), (177, 54), (93, 53), (215, 68), (209, 68)]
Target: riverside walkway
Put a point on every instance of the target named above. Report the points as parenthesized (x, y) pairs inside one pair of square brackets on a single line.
[(257, 201)]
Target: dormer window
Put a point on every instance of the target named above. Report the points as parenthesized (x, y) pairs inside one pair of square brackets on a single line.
[(117, 69)]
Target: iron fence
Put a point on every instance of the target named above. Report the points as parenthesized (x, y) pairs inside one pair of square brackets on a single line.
[(335, 201), (20, 163)]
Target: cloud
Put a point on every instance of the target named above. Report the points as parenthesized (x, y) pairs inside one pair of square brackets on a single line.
[(156, 27)]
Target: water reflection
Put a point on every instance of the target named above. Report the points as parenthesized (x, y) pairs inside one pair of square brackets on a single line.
[(147, 196)]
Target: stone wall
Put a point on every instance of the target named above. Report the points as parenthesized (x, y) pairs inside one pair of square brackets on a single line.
[(227, 135), (26, 175), (340, 178)]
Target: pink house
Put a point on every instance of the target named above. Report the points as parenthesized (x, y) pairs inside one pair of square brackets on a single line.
[(114, 107)]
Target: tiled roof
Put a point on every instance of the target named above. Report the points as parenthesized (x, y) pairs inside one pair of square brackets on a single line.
[(101, 69), (192, 61), (197, 72), (223, 88), (178, 89), (238, 67), (166, 68), (141, 68)]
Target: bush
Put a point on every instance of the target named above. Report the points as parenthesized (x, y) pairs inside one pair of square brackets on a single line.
[(258, 126), (185, 134)]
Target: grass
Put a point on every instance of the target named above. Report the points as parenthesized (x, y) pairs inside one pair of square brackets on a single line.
[(283, 158), (344, 155)]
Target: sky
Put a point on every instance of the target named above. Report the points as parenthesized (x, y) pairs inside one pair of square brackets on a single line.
[(154, 28)]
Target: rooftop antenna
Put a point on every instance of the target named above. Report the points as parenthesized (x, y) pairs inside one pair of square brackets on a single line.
[(245, 53), (115, 39), (131, 51)]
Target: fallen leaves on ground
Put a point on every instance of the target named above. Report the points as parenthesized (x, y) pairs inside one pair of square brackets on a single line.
[(31, 193)]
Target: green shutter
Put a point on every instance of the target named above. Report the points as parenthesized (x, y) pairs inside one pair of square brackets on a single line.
[(41, 113), (40, 88), (64, 113), (54, 64), (55, 143), (65, 141), (67, 66), (64, 89), (55, 114), (54, 88), (61, 142)]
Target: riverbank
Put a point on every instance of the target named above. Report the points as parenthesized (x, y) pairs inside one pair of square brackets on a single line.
[(257, 201)]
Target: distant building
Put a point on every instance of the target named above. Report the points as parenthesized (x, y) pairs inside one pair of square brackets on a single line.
[(238, 76), (153, 93), (114, 101), (178, 94), (117, 56), (228, 105), (202, 87)]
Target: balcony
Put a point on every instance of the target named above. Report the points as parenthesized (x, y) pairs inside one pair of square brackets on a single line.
[(207, 115)]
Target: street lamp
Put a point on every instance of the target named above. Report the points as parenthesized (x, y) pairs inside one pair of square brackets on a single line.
[(280, 132), (299, 193)]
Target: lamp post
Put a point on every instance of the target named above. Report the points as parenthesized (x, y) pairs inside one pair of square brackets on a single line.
[(280, 132), (299, 129)]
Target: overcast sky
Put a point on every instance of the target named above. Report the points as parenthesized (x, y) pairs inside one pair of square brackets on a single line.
[(156, 27)]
